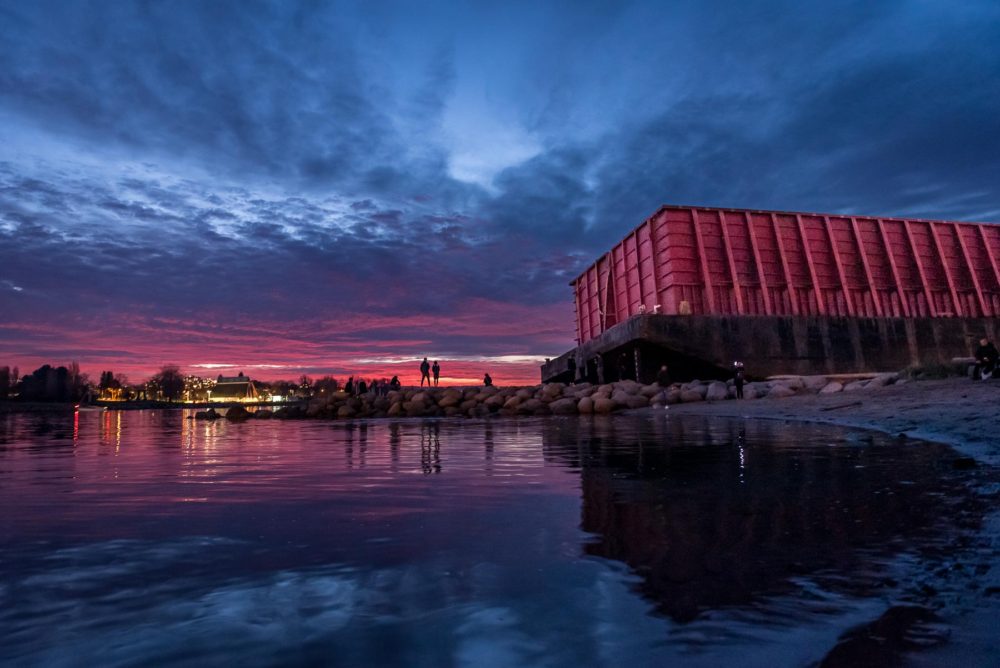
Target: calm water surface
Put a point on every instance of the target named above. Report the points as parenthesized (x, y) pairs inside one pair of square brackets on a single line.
[(142, 538)]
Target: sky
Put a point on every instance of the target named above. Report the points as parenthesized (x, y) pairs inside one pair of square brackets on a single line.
[(289, 188)]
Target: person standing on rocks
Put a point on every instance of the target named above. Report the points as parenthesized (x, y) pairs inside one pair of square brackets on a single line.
[(437, 372), (739, 377), (425, 372), (487, 381)]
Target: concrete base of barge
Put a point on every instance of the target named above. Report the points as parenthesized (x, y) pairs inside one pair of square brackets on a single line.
[(705, 346)]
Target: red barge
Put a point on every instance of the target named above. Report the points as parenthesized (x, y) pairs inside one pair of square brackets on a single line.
[(784, 292)]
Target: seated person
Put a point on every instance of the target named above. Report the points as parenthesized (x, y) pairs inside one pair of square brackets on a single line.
[(986, 359)]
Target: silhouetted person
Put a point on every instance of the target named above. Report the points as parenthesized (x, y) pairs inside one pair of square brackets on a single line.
[(425, 372), (986, 359), (487, 381), (349, 386), (739, 377), (362, 388), (437, 372), (663, 380), (394, 383)]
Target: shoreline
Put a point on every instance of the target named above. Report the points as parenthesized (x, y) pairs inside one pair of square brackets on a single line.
[(957, 412)]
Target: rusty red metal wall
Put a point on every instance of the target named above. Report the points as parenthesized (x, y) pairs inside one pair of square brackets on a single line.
[(741, 262)]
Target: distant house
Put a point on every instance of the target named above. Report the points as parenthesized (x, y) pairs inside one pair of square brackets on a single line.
[(233, 388)]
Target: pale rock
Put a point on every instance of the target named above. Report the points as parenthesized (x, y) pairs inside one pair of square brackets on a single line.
[(585, 405), (780, 391), (716, 392), (855, 386), (832, 387), (689, 396)]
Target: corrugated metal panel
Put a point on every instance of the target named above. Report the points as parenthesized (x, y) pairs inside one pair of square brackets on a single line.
[(703, 260)]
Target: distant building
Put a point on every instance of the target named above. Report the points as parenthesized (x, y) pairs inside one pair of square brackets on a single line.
[(233, 388)]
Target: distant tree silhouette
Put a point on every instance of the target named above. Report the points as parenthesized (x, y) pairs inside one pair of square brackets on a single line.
[(170, 382), (53, 384)]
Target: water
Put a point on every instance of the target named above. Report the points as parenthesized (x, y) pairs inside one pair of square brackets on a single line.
[(141, 538)]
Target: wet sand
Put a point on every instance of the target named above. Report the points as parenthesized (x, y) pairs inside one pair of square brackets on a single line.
[(959, 412)]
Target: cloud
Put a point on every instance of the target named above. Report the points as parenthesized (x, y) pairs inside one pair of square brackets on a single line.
[(275, 184)]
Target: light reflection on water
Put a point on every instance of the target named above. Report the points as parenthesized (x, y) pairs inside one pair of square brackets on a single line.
[(143, 537)]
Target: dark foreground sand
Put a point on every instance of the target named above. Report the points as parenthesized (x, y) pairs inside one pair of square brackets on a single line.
[(957, 411)]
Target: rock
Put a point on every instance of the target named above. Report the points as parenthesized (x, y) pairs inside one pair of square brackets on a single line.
[(832, 387), (494, 402), (346, 411), (814, 383), (530, 406), (263, 414), (585, 405), (468, 404), (210, 414), (637, 401), (650, 390), (688, 396), (395, 409), (856, 385), (628, 386), (238, 414), (450, 401), (565, 406), (552, 391), (604, 405), (512, 403), (620, 397), (780, 391), (524, 394), (673, 396), (716, 392), (883, 379)]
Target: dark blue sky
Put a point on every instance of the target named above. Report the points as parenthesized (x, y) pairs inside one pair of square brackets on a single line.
[(335, 186)]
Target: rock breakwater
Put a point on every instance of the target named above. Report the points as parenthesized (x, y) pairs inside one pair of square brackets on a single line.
[(552, 398)]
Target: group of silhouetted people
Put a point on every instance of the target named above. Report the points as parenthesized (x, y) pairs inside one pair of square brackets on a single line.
[(379, 387)]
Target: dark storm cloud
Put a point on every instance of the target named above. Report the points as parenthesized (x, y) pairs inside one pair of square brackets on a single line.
[(244, 168)]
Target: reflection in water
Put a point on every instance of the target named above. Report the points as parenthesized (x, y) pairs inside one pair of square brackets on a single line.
[(633, 539), (705, 531)]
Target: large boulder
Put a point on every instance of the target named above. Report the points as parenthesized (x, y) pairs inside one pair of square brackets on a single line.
[(263, 414), (716, 392), (832, 387), (883, 379), (210, 414), (585, 405), (780, 391), (604, 405), (689, 396), (815, 383), (650, 390), (637, 401), (450, 400), (346, 411), (495, 401), (565, 406), (525, 393), (856, 385), (238, 414)]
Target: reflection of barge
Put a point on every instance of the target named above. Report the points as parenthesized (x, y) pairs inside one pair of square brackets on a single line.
[(739, 510), (791, 292)]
